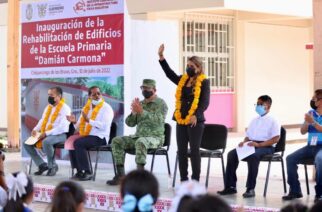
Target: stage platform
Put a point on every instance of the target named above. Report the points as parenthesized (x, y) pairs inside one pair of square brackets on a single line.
[(103, 197)]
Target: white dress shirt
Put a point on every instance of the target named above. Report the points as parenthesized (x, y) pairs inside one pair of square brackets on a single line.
[(61, 124), (101, 126), (263, 128)]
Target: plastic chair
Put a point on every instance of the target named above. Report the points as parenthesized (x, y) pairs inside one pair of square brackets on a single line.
[(104, 148), (276, 157), (161, 150), (213, 145), (306, 162)]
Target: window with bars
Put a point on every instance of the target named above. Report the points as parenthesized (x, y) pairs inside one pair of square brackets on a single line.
[(211, 38)]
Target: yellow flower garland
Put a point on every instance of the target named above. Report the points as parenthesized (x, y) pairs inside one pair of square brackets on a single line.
[(53, 118), (194, 105), (84, 131)]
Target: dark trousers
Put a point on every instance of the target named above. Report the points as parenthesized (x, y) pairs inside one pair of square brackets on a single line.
[(193, 136), (78, 157), (293, 160), (252, 162)]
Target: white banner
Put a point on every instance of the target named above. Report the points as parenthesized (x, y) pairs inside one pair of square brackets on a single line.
[(62, 9)]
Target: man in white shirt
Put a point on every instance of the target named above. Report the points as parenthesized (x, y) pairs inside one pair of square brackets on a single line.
[(53, 127), (94, 127), (263, 133)]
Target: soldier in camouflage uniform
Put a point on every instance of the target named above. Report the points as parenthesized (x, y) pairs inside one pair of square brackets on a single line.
[(148, 116)]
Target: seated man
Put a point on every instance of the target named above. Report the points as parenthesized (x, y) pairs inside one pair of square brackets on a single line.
[(313, 125), (262, 133), (53, 127), (94, 127), (148, 115)]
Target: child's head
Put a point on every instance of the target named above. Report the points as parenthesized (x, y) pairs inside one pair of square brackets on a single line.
[(139, 191), (208, 203), (316, 207), (20, 191), (186, 194), (68, 196), (295, 207), (203, 203)]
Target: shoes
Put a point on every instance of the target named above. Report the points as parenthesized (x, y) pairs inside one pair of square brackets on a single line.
[(41, 169), (51, 172), (227, 191), (55, 166), (317, 199), (77, 175), (85, 176), (140, 166), (249, 193), (115, 181), (292, 196)]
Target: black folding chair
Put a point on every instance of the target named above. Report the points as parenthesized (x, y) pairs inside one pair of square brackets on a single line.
[(306, 162), (161, 150), (277, 156), (213, 145), (104, 148), (71, 131)]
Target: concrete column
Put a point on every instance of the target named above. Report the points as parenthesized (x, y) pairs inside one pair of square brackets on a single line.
[(13, 91), (317, 33), (239, 107)]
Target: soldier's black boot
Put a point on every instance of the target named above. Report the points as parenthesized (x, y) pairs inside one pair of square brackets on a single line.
[(117, 178), (140, 166)]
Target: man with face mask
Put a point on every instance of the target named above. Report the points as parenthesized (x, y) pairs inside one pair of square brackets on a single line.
[(262, 133), (53, 127), (94, 127), (148, 116), (313, 126)]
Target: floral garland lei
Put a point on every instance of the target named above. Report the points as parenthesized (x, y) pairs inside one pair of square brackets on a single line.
[(194, 105), (84, 131), (53, 118)]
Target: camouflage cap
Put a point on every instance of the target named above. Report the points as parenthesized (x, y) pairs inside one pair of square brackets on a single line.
[(149, 83)]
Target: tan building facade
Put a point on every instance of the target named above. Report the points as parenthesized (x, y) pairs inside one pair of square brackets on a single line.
[(248, 50)]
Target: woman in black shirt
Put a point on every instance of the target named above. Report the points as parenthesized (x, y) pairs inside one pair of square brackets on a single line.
[(192, 99)]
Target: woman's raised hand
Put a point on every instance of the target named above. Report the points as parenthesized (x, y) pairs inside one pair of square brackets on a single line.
[(160, 52)]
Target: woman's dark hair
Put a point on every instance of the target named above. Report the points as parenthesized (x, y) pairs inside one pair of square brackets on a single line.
[(17, 206), (198, 62), (67, 196), (294, 207), (139, 183), (203, 203)]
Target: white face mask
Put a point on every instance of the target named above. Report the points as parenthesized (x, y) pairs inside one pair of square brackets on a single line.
[(96, 102)]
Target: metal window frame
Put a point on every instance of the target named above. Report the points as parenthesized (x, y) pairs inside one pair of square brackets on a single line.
[(222, 73)]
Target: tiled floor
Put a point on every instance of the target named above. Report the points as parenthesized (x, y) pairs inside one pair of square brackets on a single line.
[(14, 162)]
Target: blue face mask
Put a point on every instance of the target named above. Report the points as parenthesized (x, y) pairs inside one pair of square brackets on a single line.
[(260, 109)]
